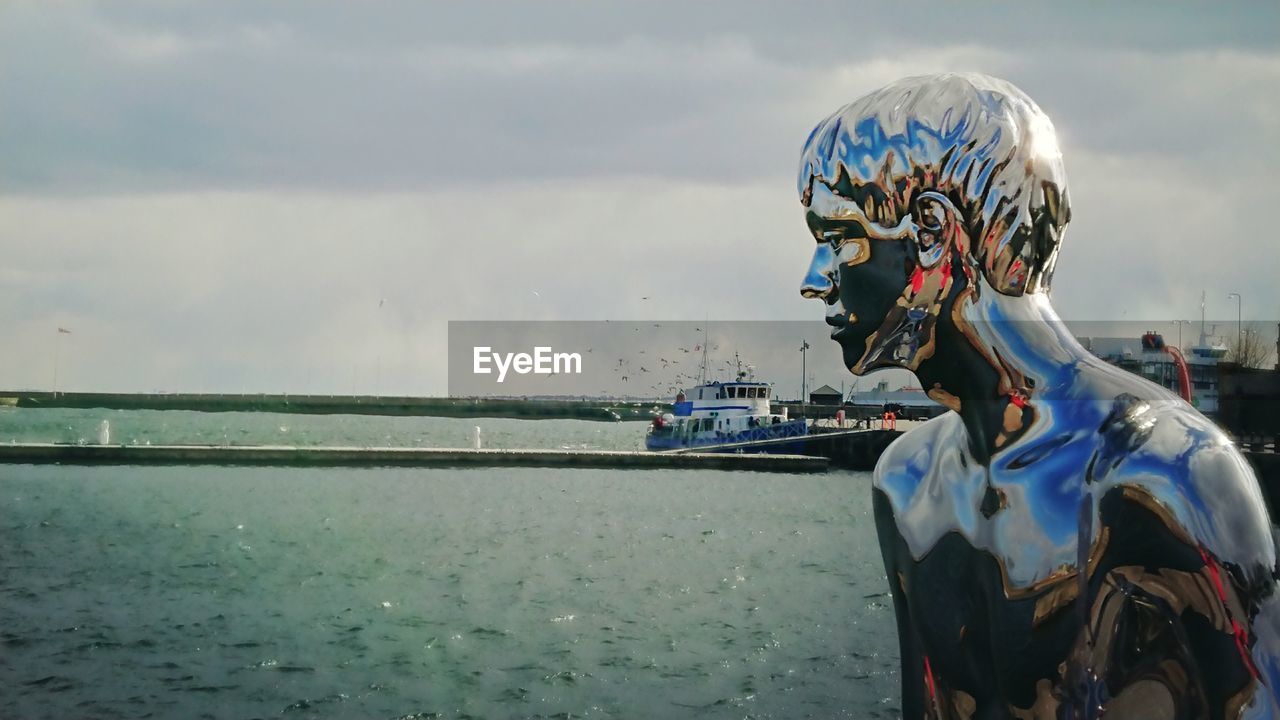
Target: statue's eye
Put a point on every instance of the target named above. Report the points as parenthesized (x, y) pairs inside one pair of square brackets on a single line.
[(835, 231)]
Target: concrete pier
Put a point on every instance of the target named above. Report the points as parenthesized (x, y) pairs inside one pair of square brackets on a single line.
[(282, 455), (851, 449)]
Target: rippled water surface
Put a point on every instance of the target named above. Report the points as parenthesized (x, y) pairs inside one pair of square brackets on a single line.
[(386, 593)]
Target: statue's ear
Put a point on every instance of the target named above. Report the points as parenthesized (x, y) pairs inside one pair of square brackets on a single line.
[(1056, 205), (1048, 222), (936, 219)]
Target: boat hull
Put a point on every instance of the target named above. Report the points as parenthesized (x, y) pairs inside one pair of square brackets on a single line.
[(791, 429)]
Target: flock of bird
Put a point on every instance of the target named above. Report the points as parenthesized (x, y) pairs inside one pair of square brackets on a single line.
[(650, 374), (678, 372)]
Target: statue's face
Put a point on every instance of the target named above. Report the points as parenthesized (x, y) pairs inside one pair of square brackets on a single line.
[(881, 283), (916, 191)]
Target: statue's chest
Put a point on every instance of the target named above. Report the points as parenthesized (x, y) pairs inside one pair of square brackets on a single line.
[(1026, 524)]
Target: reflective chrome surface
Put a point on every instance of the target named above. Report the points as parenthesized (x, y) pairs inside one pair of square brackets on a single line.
[(1071, 540)]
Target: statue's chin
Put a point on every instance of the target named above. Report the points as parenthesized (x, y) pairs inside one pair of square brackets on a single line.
[(853, 345)]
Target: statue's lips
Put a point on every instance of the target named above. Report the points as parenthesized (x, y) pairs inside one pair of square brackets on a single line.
[(840, 323)]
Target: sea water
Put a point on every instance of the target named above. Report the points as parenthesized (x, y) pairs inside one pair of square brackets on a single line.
[(216, 592)]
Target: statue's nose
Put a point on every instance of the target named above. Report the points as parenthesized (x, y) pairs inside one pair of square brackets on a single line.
[(819, 281)]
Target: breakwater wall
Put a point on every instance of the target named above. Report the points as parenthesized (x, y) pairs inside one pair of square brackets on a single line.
[(291, 456)]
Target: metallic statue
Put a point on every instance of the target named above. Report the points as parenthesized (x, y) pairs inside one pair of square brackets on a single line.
[(1072, 540)]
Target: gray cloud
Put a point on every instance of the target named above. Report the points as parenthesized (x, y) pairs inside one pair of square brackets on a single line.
[(218, 195), (122, 96)]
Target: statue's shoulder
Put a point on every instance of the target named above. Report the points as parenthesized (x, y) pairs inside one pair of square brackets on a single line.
[(1171, 457), (909, 458)]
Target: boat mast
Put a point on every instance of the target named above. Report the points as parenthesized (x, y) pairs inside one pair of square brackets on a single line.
[(1203, 342)]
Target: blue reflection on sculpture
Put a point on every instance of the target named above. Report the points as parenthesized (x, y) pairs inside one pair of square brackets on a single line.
[(1071, 540)]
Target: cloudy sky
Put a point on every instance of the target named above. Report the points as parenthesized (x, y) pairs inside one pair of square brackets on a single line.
[(298, 196)]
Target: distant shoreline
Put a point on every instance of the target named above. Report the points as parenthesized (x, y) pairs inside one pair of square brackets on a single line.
[(584, 409)]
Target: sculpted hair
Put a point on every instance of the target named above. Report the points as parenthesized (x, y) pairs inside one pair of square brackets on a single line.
[(979, 141)]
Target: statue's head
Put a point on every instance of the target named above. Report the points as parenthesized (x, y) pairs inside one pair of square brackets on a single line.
[(922, 191)]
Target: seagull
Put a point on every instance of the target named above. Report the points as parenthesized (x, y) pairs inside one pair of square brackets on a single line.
[(535, 293)]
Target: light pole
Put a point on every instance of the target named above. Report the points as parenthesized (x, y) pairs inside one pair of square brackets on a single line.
[(1239, 332), (804, 349), (57, 345)]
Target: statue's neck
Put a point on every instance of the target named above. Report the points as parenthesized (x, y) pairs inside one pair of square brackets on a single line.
[(997, 358)]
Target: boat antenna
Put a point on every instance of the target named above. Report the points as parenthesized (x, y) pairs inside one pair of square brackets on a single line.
[(738, 360), (702, 377)]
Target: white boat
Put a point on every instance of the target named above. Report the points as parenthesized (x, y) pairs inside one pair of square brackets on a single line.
[(720, 413)]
